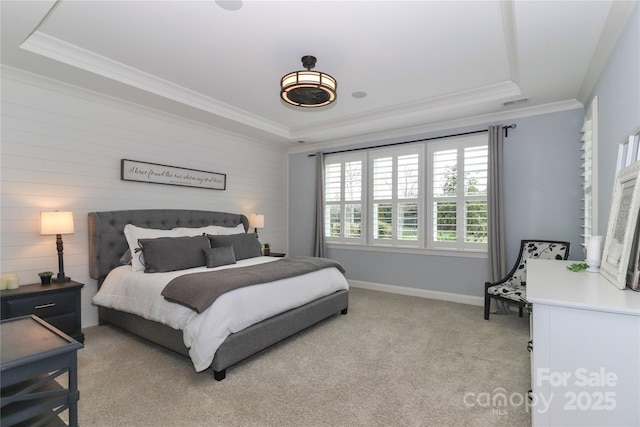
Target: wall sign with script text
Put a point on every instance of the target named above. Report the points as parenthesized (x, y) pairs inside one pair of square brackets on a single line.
[(132, 170)]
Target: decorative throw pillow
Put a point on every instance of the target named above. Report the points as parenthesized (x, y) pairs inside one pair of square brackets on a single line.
[(173, 253), (197, 231), (244, 245), (216, 257), (134, 233), (225, 231)]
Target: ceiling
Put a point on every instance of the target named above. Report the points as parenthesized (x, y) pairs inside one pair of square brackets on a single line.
[(420, 63)]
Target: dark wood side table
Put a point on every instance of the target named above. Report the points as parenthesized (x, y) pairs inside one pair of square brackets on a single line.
[(277, 254), (32, 356), (58, 304)]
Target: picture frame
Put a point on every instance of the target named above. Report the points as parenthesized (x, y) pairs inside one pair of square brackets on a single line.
[(134, 170), (633, 270), (629, 151), (623, 220)]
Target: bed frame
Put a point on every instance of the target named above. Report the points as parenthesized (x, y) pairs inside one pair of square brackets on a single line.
[(107, 243)]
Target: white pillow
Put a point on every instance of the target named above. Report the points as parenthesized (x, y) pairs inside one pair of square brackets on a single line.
[(133, 233), (225, 231), (190, 232)]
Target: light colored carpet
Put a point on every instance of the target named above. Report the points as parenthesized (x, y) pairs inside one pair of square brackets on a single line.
[(392, 361)]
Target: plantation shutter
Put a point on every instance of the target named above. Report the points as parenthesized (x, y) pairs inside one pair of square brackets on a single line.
[(475, 194), (352, 212), (396, 196), (458, 200), (445, 196), (344, 194), (383, 198), (332, 199), (408, 204), (589, 168)]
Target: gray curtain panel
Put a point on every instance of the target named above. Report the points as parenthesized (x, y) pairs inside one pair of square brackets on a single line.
[(318, 238), (495, 199)]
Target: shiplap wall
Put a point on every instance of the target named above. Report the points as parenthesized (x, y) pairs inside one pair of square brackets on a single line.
[(61, 150)]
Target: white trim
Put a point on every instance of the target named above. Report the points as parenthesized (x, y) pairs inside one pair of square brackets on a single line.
[(419, 131), (68, 89), (493, 92), (507, 9), (67, 53), (421, 293)]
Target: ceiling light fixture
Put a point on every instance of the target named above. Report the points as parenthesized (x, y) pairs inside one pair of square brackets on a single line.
[(308, 88)]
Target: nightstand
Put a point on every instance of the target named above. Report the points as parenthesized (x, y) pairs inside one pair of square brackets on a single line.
[(57, 304), (33, 356), (277, 254)]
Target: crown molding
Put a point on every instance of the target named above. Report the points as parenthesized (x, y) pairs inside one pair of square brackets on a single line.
[(68, 89), (555, 107), (498, 91), (70, 54), (73, 55)]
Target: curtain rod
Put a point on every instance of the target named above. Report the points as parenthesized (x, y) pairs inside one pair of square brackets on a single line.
[(506, 134)]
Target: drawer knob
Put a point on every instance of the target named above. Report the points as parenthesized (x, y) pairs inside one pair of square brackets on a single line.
[(45, 305)]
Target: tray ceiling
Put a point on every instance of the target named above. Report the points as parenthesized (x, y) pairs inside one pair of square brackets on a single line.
[(419, 62)]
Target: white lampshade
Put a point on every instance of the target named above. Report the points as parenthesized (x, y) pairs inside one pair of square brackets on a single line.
[(56, 223), (256, 221)]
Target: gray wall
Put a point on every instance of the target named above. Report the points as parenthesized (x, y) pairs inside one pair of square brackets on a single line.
[(542, 184), (542, 198), (618, 91)]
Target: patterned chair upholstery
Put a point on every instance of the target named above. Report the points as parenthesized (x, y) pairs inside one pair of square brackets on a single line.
[(513, 288)]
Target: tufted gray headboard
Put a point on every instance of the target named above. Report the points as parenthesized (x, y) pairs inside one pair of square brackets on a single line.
[(106, 231)]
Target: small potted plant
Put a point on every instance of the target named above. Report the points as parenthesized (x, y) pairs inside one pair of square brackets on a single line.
[(266, 250), (45, 277)]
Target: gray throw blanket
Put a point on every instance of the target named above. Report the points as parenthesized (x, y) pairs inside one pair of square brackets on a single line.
[(199, 290)]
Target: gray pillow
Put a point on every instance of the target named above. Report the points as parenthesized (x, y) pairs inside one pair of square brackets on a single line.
[(173, 253), (215, 257), (125, 259), (245, 245)]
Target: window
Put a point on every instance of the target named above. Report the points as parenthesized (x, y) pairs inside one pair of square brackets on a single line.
[(589, 150), (396, 196), (429, 195), (344, 188), (458, 211)]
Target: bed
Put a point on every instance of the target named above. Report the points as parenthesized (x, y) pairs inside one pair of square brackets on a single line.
[(107, 244)]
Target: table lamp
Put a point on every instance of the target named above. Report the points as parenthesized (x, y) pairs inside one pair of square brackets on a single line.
[(57, 223), (256, 221)]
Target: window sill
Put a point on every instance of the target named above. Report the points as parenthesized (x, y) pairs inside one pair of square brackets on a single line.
[(415, 251)]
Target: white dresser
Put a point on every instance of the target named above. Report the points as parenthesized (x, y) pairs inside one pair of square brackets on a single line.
[(585, 359)]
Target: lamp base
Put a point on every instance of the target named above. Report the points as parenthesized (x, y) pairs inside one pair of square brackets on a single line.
[(61, 279)]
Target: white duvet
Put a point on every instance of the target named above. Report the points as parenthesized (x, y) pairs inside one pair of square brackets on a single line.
[(139, 293)]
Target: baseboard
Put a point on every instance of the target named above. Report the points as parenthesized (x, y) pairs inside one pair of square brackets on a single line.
[(422, 293)]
